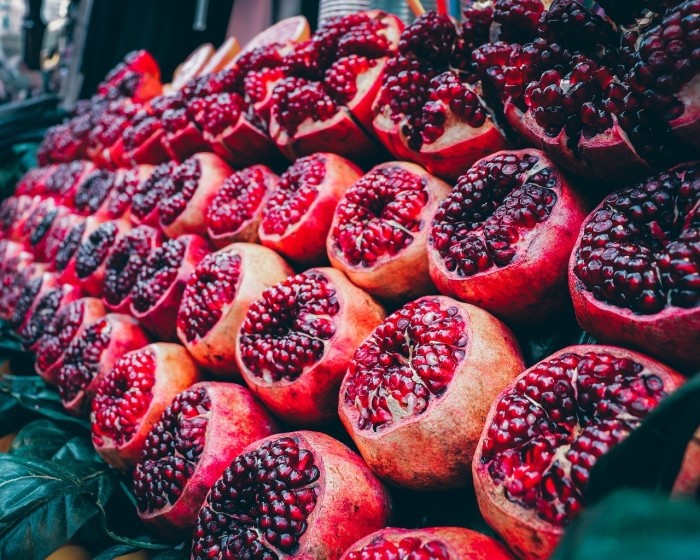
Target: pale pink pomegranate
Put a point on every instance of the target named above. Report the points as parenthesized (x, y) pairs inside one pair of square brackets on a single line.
[(299, 494), (546, 430), (297, 340), (427, 374)]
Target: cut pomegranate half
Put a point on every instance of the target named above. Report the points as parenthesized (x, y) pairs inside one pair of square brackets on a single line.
[(297, 215), (43, 312), (137, 77), (126, 185), (287, 495), (216, 299), (94, 191), (235, 212), (33, 287), (105, 139), (296, 342), (63, 182), (187, 450), (57, 235), (157, 293), (91, 354), (428, 373), (19, 274), (37, 227), (222, 58), (192, 65), (14, 213), (33, 182), (143, 139), (293, 29), (380, 228), (634, 273), (158, 185), (547, 429), (64, 261), (68, 324), (131, 397)]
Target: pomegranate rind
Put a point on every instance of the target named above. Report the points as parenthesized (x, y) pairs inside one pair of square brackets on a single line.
[(295, 29), (312, 398), (459, 542), (449, 429), (244, 144), (525, 533), (687, 481), (222, 58), (260, 268)]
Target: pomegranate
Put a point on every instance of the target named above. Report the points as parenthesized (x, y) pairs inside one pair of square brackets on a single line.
[(508, 227), (433, 543), (546, 430), (235, 212), (14, 213), (55, 238), (69, 323), (197, 436), (193, 185), (46, 305), (147, 194), (380, 228), (64, 180), (137, 77), (633, 275), (33, 287), (217, 297), (126, 184), (131, 397), (297, 340), (93, 353), (125, 260), (20, 275), (156, 295), (182, 135), (143, 140), (297, 215), (325, 100), (427, 375), (300, 494), (33, 182), (94, 191), (37, 227), (66, 249)]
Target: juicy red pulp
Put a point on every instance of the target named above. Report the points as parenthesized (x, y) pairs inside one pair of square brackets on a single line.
[(93, 191), (68, 248), (94, 250), (59, 334), (259, 508), (551, 428), (157, 274), (44, 312), (26, 297), (408, 548), (151, 191), (184, 181), (236, 202), (405, 363), (124, 264)]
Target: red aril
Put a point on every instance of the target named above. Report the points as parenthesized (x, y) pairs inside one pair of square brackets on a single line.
[(65, 179), (37, 228), (126, 184), (66, 250), (158, 185), (32, 289), (43, 312)]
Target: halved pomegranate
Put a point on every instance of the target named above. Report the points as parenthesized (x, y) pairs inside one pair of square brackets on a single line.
[(126, 258), (297, 215), (193, 185), (14, 212), (547, 429), (64, 180), (37, 227), (91, 354), (158, 185), (33, 287), (131, 397), (69, 323), (634, 274), (380, 228), (94, 191), (156, 295), (18, 274), (66, 251), (294, 29), (106, 135), (143, 139), (126, 185), (187, 450), (137, 77), (222, 58), (43, 312), (427, 374), (297, 495), (58, 234), (33, 181), (216, 299), (235, 212), (502, 239), (296, 342), (432, 543)]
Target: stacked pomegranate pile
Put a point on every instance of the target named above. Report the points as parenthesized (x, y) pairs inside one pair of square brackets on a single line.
[(192, 301)]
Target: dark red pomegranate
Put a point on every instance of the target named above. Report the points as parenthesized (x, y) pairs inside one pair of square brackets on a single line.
[(297, 340), (93, 192), (69, 323), (13, 259), (91, 354), (502, 239), (131, 397), (196, 438), (142, 141), (156, 295), (43, 312), (547, 429), (126, 185), (136, 77), (235, 212), (432, 543), (66, 249), (37, 227), (297, 216), (147, 194), (20, 272), (62, 227), (300, 494), (126, 258), (32, 288), (427, 374), (634, 274), (14, 213), (33, 181), (63, 182), (380, 228), (107, 132), (216, 299)]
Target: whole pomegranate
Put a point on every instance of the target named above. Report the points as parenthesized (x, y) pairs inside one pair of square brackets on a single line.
[(502, 239), (296, 342), (546, 430), (189, 447), (216, 299), (299, 494), (634, 271), (379, 230), (432, 543), (131, 397), (427, 374)]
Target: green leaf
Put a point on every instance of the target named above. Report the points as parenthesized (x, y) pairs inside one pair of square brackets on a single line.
[(651, 456), (633, 525), (43, 439)]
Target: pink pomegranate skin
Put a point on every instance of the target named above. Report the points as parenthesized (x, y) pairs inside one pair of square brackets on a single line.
[(235, 420), (431, 543), (526, 531), (338, 518), (310, 397), (480, 356)]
